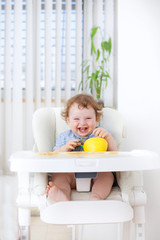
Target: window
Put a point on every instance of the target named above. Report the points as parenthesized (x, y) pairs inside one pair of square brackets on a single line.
[(44, 41)]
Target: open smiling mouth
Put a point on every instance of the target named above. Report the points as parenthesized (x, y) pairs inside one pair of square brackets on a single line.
[(83, 130)]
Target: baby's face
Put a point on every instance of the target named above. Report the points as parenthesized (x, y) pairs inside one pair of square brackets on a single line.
[(82, 121)]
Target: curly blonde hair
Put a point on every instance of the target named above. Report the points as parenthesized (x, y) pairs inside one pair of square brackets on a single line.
[(84, 101)]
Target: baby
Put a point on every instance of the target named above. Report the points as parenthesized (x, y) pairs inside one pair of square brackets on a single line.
[(82, 114)]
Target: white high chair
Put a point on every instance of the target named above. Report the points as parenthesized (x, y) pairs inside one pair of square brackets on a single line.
[(124, 204)]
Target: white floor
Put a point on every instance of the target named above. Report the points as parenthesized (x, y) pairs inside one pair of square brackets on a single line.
[(41, 231)]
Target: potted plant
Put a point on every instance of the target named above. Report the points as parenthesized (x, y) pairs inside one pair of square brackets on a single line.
[(99, 64)]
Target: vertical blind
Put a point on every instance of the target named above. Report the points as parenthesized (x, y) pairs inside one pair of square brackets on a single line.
[(42, 45)]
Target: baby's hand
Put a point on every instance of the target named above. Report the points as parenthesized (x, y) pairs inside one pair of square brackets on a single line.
[(71, 144), (101, 132)]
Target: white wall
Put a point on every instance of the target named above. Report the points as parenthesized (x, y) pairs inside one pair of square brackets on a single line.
[(139, 90)]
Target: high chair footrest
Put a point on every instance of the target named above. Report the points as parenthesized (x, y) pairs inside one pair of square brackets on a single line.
[(87, 212)]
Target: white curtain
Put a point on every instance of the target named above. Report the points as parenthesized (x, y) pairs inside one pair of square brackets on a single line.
[(42, 44)]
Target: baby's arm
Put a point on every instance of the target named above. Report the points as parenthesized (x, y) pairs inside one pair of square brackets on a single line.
[(69, 146), (103, 133)]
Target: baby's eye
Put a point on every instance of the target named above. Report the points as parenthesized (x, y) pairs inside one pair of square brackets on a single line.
[(88, 118), (76, 119)]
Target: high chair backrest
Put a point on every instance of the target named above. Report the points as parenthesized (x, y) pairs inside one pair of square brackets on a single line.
[(48, 124)]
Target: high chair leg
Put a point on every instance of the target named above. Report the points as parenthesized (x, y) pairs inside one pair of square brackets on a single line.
[(139, 219), (80, 232), (126, 231), (24, 223), (24, 233), (140, 231), (73, 231)]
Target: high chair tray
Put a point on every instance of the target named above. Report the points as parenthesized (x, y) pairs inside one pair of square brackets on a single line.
[(27, 161), (84, 212)]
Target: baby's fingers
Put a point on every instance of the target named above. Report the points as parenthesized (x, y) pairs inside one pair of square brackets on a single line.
[(74, 143), (100, 132), (97, 131)]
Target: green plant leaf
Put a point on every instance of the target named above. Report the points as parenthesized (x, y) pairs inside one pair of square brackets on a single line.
[(110, 45), (107, 46), (97, 73), (93, 75), (93, 49), (92, 35), (93, 31), (98, 62), (98, 54), (102, 46), (106, 84), (98, 93), (107, 75), (91, 86)]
